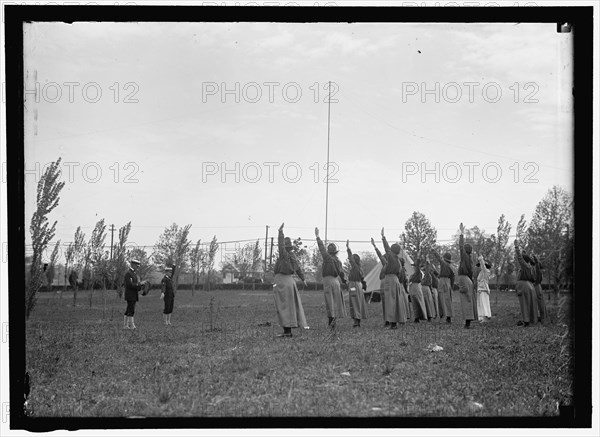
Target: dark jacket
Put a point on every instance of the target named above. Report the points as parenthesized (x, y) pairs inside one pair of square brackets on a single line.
[(286, 263), (332, 266), (166, 286), (132, 285)]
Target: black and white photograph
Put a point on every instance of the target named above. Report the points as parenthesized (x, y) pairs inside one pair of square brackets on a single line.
[(235, 216)]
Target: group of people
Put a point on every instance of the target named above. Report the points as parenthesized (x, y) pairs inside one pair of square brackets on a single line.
[(133, 286), (425, 295)]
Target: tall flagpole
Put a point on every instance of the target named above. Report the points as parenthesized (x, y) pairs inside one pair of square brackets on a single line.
[(327, 179)]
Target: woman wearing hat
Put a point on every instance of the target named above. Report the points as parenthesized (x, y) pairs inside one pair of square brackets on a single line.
[(484, 311), (132, 287), (465, 280), (525, 289), (403, 278), (445, 286), (332, 269), (426, 289), (416, 293), (395, 310), (358, 305), (381, 280), (167, 294), (285, 292)]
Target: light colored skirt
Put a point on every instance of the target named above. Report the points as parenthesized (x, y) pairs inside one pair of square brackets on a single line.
[(404, 295), (395, 308), (466, 297), (436, 306), (428, 300), (418, 303), (358, 305), (526, 295), (445, 297), (483, 304), (288, 302), (334, 299)]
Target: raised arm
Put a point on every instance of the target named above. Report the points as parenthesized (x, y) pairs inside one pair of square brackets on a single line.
[(386, 246), (518, 255), (283, 253), (322, 248), (378, 252), (350, 257)]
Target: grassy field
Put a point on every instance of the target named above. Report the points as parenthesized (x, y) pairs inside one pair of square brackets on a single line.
[(217, 360)]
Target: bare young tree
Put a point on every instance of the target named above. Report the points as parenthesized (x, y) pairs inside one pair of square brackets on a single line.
[(96, 255), (500, 255), (173, 249), (51, 268), (118, 262), (210, 261), (548, 235), (197, 261), (48, 190), (247, 258), (74, 254)]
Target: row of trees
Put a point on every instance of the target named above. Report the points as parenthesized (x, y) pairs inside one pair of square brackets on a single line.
[(549, 235)]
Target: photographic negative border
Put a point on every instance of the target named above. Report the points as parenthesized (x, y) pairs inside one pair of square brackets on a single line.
[(580, 18)]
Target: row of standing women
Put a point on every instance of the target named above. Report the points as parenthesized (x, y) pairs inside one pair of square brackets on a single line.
[(428, 296)]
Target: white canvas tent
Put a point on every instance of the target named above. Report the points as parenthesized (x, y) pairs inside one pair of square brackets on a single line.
[(372, 278)]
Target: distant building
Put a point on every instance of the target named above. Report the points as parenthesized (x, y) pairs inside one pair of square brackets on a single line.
[(230, 274)]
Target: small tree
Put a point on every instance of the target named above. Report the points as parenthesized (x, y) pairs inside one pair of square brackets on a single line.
[(75, 255), (197, 261), (48, 190), (95, 255), (172, 249), (118, 262), (146, 266), (247, 258), (51, 269), (420, 236), (548, 234), (210, 261), (500, 253)]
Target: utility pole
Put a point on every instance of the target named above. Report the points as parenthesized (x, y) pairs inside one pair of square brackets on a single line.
[(266, 240), (271, 256), (327, 179), (112, 231)]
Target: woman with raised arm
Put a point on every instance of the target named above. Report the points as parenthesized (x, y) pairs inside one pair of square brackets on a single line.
[(403, 278), (332, 269), (426, 289), (484, 310), (381, 279), (445, 286), (525, 290), (465, 280), (285, 292), (395, 309), (416, 293), (358, 305)]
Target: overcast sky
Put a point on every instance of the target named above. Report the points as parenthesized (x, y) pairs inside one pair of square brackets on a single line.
[(405, 95)]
